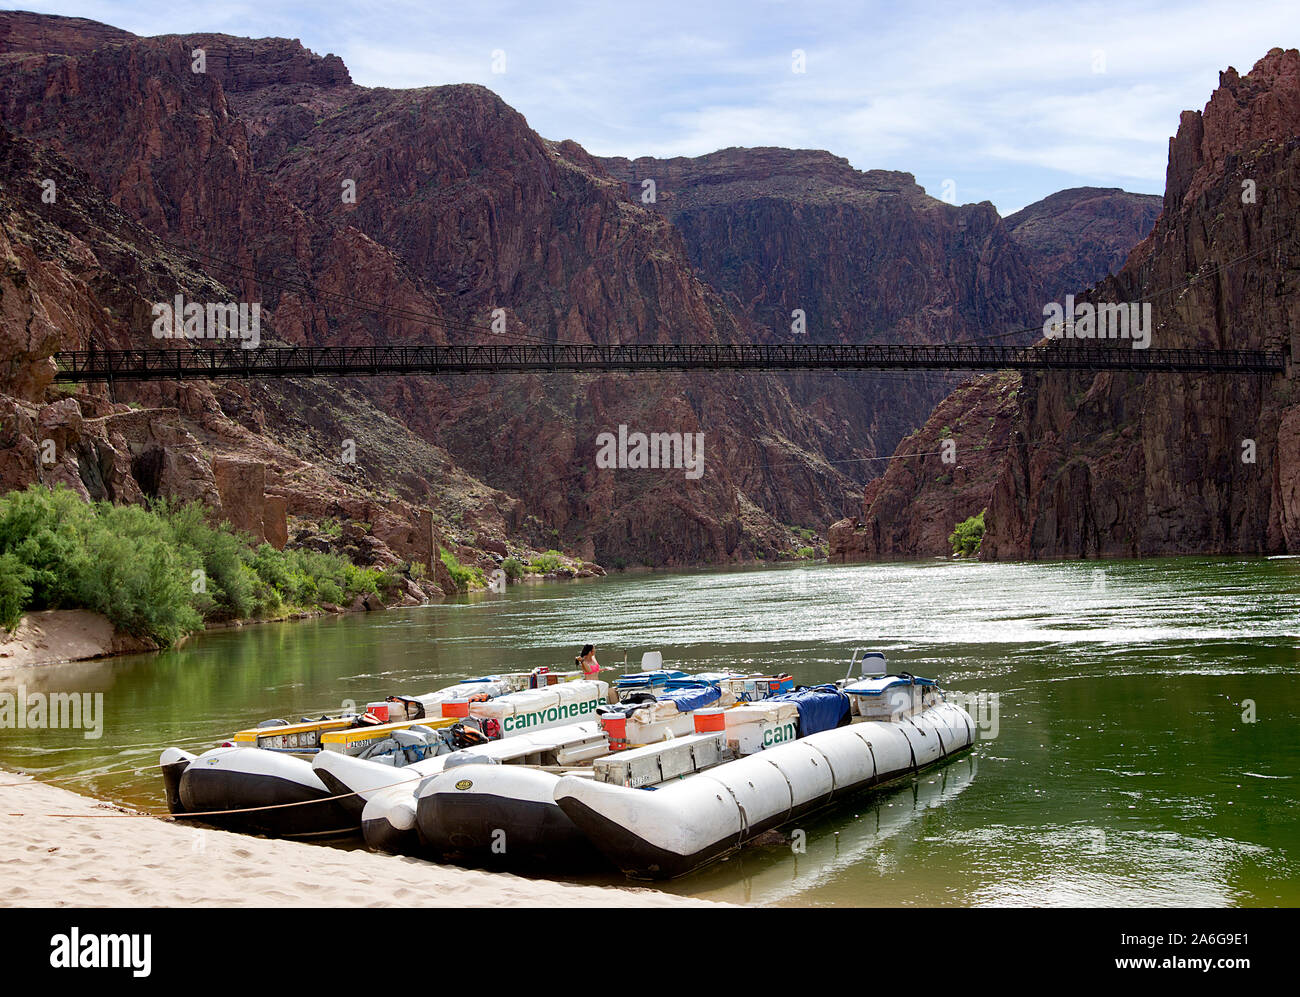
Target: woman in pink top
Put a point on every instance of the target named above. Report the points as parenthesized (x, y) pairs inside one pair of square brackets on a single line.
[(587, 662)]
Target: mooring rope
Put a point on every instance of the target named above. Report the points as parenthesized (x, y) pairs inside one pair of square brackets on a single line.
[(216, 813)]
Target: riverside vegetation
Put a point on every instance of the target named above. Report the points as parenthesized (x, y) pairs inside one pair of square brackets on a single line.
[(968, 535), (158, 572)]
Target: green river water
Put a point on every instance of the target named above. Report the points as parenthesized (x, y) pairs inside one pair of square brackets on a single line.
[(1146, 750)]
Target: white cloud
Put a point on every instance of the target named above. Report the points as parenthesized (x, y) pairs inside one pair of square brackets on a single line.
[(1002, 97)]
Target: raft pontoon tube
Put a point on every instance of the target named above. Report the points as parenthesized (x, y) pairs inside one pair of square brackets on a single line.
[(261, 780), (255, 785), (688, 824), (507, 815), (388, 820), (268, 791)]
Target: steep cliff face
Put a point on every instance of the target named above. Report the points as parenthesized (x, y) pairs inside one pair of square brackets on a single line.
[(1074, 237), (868, 256), (1115, 464), (77, 270), (940, 475), (861, 256), (1126, 465), (454, 182)]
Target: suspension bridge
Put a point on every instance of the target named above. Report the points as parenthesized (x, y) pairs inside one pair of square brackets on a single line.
[(220, 362)]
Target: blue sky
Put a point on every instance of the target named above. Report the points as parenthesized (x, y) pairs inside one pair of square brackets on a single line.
[(1009, 101)]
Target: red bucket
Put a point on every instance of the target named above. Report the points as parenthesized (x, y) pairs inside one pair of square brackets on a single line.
[(710, 721), (616, 731)]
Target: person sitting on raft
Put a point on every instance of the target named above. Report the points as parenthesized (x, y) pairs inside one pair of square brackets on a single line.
[(587, 662)]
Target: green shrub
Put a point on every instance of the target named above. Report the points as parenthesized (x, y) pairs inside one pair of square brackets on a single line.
[(513, 568), (546, 563), (463, 576), (44, 530), (14, 590), (329, 591), (157, 572), (967, 536)]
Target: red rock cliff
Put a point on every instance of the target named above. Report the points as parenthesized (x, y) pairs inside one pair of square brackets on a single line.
[(1116, 464)]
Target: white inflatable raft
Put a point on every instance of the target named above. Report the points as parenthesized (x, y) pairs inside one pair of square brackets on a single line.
[(385, 797), (504, 810), (262, 780), (671, 831), (388, 796), (506, 815)]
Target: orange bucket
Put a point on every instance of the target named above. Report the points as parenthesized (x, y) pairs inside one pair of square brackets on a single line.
[(455, 708), (710, 721)]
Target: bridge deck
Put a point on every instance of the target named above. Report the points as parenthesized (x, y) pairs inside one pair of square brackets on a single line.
[(204, 362)]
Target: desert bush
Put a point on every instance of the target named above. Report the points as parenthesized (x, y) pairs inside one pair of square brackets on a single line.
[(967, 536), (159, 571)]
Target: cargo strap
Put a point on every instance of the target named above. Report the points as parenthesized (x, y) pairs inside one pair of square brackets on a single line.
[(740, 808), (970, 735), (829, 767), (875, 768), (911, 750), (788, 784)]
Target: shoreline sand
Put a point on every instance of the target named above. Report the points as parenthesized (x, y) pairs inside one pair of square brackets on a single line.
[(68, 636), (99, 860), (62, 636)]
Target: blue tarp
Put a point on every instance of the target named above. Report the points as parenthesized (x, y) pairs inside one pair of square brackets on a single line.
[(692, 698), (648, 678), (704, 678), (821, 707)]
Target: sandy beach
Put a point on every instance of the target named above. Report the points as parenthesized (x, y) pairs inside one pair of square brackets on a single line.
[(99, 860), (54, 636)]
